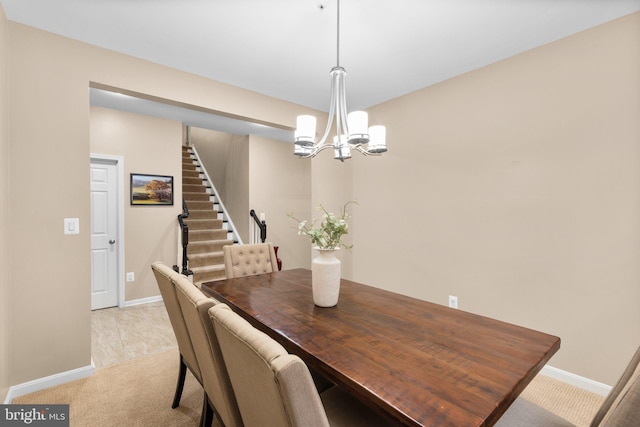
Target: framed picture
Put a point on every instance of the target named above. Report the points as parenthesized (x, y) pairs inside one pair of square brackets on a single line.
[(151, 190)]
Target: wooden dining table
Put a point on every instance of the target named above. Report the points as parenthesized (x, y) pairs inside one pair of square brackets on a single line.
[(415, 362)]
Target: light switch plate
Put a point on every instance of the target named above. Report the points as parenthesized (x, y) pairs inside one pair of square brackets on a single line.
[(71, 226)]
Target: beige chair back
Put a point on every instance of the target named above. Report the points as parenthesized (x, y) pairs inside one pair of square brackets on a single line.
[(164, 274), (621, 408), (250, 259), (273, 388), (215, 379)]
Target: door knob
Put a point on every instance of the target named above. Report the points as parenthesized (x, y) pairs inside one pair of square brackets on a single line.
[(111, 242)]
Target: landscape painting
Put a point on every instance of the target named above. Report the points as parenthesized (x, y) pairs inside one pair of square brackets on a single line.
[(151, 190)]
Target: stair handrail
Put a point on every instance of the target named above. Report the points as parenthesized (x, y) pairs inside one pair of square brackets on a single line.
[(215, 193), (261, 224), (184, 227)]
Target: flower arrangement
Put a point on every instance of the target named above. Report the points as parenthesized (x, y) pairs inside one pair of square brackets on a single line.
[(329, 234)]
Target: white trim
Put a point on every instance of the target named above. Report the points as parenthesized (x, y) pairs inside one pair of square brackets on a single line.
[(576, 380), (142, 301), (119, 161), (87, 371), (50, 381)]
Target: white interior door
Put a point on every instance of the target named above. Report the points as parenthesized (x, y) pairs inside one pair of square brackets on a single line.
[(104, 232)]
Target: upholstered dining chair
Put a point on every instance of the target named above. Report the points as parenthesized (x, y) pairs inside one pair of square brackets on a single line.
[(621, 408), (274, 388), (164, 274), (249, 259), (219, 395)]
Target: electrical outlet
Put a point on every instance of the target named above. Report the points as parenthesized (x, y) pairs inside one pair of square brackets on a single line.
[(453, 301), (131, 277)]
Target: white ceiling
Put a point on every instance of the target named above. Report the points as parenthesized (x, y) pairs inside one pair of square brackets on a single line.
[(286, 48)]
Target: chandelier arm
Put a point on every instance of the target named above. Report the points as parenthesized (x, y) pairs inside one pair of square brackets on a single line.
[(365, 151), (315, 151), (343, 129), (339, 125), (331, 112), (324, 147)]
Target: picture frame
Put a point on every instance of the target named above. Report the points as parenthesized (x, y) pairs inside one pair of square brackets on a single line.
[(151, 190)]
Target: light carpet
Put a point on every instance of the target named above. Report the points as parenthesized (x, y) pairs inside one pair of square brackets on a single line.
[(574, 404), (134, 393), (139, 393)]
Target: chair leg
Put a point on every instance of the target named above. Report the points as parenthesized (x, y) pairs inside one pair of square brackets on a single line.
[(182, 374), (206, 419)]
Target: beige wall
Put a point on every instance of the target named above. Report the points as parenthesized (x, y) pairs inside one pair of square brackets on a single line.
[(280, 184), (332, 187), (4, 190), (49, 77), (151, 146), (213, 148), (49, 158), (237, 184), (516, 187)]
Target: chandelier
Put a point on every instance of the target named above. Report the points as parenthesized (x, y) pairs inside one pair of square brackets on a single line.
[(352, 129)]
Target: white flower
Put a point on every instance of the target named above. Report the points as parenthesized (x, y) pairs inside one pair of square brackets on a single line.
[(329, 234)]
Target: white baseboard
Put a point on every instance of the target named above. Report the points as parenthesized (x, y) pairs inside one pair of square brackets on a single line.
[(87, 371), (143, 301), (576, 380), (50, 381)]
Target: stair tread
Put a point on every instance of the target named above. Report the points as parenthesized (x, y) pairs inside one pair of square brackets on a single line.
[(214, 224), (208, 268), (213, 241), (206, 254), (205, 220)]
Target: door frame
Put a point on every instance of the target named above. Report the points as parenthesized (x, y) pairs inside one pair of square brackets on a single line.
[(119, 163)]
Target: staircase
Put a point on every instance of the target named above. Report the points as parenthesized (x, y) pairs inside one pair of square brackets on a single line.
[(208, 231)]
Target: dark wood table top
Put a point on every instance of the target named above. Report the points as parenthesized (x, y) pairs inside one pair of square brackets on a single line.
[(419, 363)]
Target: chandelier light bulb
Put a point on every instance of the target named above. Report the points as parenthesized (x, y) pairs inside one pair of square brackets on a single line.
[(378, 139), (358, 123), (305, 130)]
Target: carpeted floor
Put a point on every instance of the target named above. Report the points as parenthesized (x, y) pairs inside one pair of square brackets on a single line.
[(139, 393), (135, 393), (574, 404)]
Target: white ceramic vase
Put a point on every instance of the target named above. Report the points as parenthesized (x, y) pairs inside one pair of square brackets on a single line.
[(325, 278)]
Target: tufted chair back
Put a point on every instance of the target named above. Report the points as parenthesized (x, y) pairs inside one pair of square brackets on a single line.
[(250, 259)]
